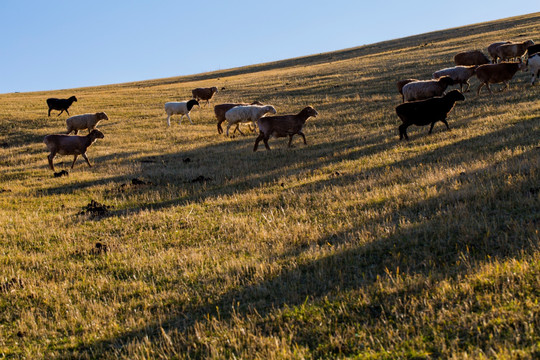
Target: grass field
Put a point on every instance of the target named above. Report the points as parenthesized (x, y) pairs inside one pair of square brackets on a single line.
[(354, 246)]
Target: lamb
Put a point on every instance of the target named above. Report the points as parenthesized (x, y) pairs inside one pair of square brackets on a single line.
[(424, 112), (513, 51), (60, 104), (204, 93), (246, 113), (459, 74), (182, 108), (401, 83), (425, 89), (284, 125), (221, 109), (84, 121), (533, 64), (492, 47), (473, 57), (497, 73), (70, 145)]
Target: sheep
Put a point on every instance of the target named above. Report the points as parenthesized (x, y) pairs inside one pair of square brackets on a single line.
[(204, 93), (401, 83), (533, 49), (221, 109), (533, 64), (246, 113), (284, 125), (60, 104), (182, 108), (425, 89), (459, 74), (497, 73), (424, 112), (513, 51), (84, 121), (473, 57), (70, 145), (492, 47)]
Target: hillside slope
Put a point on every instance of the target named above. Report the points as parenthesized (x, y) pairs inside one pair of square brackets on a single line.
[(356, 245)]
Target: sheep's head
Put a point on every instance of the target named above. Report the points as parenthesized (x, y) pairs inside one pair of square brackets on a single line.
[(96, 134), (309, 111), (528, 43), (102, 116), (214, 89), (455, 95), (73, 98), (191, 103), (446, 80), (270, 109)]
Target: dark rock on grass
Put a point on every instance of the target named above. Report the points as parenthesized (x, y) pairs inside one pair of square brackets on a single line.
[(61, 173), (201, 179), (99, 249), (95, 208), (186, 160), (137, 181)]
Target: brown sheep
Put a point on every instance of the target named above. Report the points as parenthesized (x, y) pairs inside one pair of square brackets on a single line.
[(468, 58), (513, 51), (492, 47), (204, 93), (70, 145), (497, 73)]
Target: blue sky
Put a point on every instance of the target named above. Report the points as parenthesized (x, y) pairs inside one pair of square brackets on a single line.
[(58, 44)]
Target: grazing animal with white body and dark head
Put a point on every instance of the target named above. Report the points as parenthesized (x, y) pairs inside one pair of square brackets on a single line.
[(182, 108), (473, 57), (491, 50), (204, 93), (282, 126), (497, 73), (70, 145), (60, 104), (459, 74), (84, 121), (513, 51), (425, 89), (533, 65), (246, 114), (221, 109), (425, 112)]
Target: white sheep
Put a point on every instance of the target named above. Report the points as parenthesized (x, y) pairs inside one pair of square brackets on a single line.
[(84, 121), (460, 75), (245, 114), (182, 108), (533, 64), (425, 89)]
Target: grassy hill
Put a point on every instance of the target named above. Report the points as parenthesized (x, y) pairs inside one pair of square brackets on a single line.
[(354, 246)]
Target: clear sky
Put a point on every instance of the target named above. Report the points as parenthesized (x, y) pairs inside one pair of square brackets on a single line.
[(60, 44)]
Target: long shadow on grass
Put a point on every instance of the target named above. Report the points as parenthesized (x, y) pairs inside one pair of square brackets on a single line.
[(439, 243)]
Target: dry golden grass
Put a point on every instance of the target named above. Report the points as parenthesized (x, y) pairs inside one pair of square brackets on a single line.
[(354, 246)]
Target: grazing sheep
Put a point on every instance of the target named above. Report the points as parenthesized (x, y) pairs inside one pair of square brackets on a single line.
[(534, 49), (401, 83), (533, 64), (60, 104), (245, 114), (84, 121), (182, 108), (492, 47), (513, 51), (221, 109), (425, 89), (424, 112), (283, 125), (204, 93), (70, 145), (497, 73), (473, 57), (459, 74)]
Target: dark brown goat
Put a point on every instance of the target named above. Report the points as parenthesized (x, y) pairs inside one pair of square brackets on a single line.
[(425, 112), (497, 73), (284, 125)]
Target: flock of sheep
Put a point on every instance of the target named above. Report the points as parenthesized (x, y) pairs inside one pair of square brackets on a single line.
[(424, 101)]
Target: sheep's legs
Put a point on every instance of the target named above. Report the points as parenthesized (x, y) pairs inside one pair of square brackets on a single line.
[(303, 137), (49, 112), (73, 163), (238, 128), (61, 112), (431, 127), (290, 140), (189, 119), (403, 132), (50, 158), (446, 123), (169, 120), (265, 139), (259, 138), (86, 158)]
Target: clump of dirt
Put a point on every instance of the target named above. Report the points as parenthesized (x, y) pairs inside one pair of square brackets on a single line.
[(201, 179), (99, 249), (61, 173), (94, 208)]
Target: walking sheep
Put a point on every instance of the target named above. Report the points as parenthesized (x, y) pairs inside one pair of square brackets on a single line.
[(513, 51), (84, 121), (246, 114), (221, 109), (497, 73), (424, 112), (459, 74), (283, 125), (425, 89), (533, 64), (473, 57), (70, 145), (181, 108), (60, 104), (204, 93)]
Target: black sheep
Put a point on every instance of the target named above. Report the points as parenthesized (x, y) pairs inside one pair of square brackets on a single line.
[(60, 104), (425, 112)]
